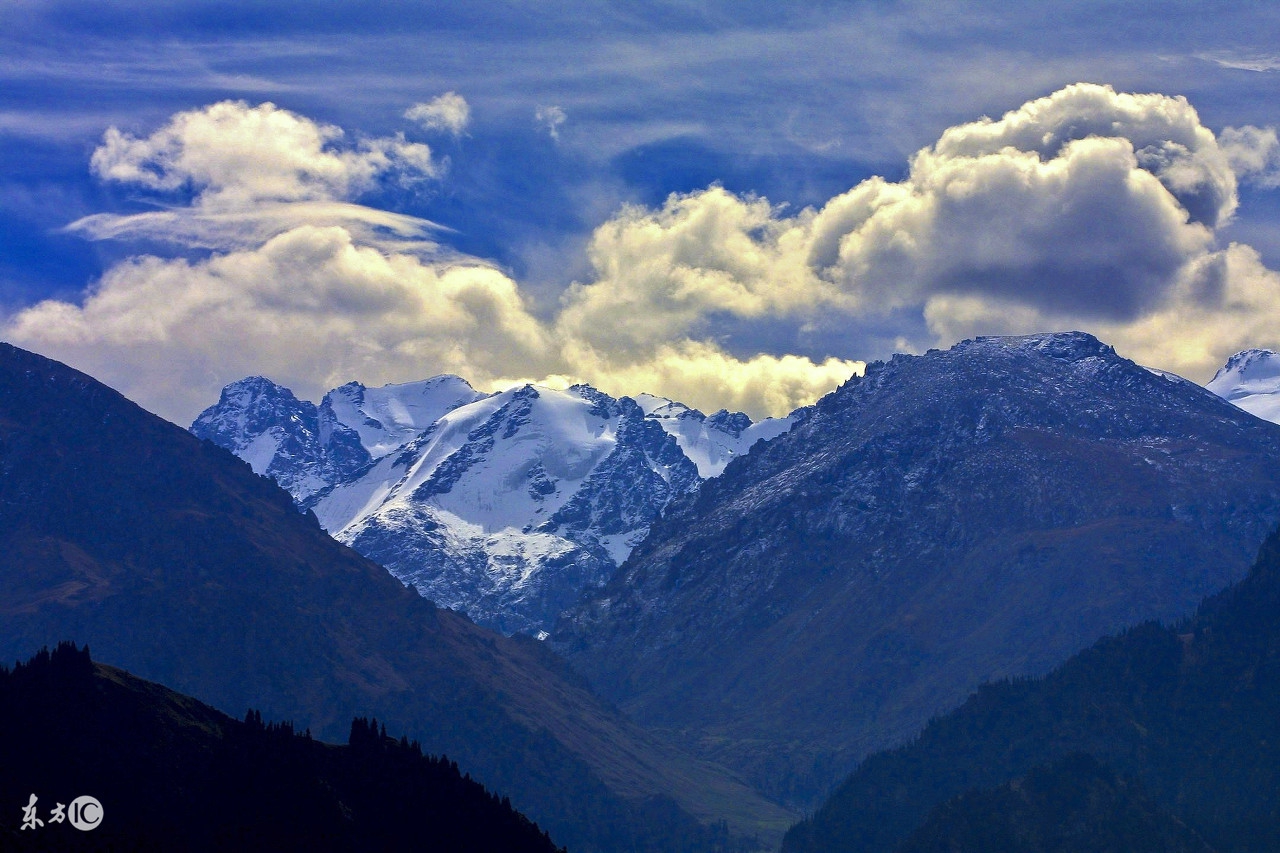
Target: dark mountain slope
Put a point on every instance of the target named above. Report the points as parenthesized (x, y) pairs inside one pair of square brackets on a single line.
[(947, 519), (173, 560), (1076, 804), (171, 773), (1190, 711)]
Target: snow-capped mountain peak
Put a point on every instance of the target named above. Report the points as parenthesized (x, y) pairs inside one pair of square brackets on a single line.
[(1251, 380), (251, 418), (1248, 371), (505, 505), (387, 417), (509, 505), (276, 433), (710, 442)]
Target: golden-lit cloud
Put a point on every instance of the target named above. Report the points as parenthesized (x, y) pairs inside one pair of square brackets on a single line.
[(1084, 209), (1087, 209), (310, 307)]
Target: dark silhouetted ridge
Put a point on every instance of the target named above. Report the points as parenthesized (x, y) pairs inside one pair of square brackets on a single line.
[(173, 560), (171, 773)]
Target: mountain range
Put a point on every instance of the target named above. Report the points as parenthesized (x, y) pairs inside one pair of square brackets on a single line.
[(505, 506), (946, 519), (173, 560), (969, 515), (1185, 716)]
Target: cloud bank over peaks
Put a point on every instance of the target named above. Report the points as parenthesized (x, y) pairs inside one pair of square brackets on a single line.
[(313, 289), (310, 306), (1086, 208)]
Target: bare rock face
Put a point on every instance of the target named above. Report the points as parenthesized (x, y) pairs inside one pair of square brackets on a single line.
[(950, 518)]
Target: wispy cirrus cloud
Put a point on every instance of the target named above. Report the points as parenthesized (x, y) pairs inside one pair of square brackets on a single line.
[(227, 229), (1262, 63)]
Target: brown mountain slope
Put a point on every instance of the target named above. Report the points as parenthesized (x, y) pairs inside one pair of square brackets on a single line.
[(172, 559), (959, 516)]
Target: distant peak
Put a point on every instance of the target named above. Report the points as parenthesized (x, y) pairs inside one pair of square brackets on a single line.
[(1251, 373), (1067, 346), (600, 401), (1243, 360), (353, 391), (448, 379), (733, 423), (430, 382), (664, 407), (519, 394), (251, 388), (650, 403), (252, 383)]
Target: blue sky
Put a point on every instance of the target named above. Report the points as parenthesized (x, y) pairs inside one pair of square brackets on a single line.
[(838, 196)]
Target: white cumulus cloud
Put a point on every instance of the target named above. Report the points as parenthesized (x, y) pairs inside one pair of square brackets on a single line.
[(449, 112), (232, 155), (252, 172), (549, 118), (1254, 154)]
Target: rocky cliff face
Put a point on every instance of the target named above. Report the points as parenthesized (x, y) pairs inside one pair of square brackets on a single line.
[(948, 518)]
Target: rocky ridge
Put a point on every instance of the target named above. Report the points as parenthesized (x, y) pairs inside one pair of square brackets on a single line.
[(949, 518)]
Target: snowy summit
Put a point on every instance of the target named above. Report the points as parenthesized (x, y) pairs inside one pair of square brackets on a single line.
[(504, 505)]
